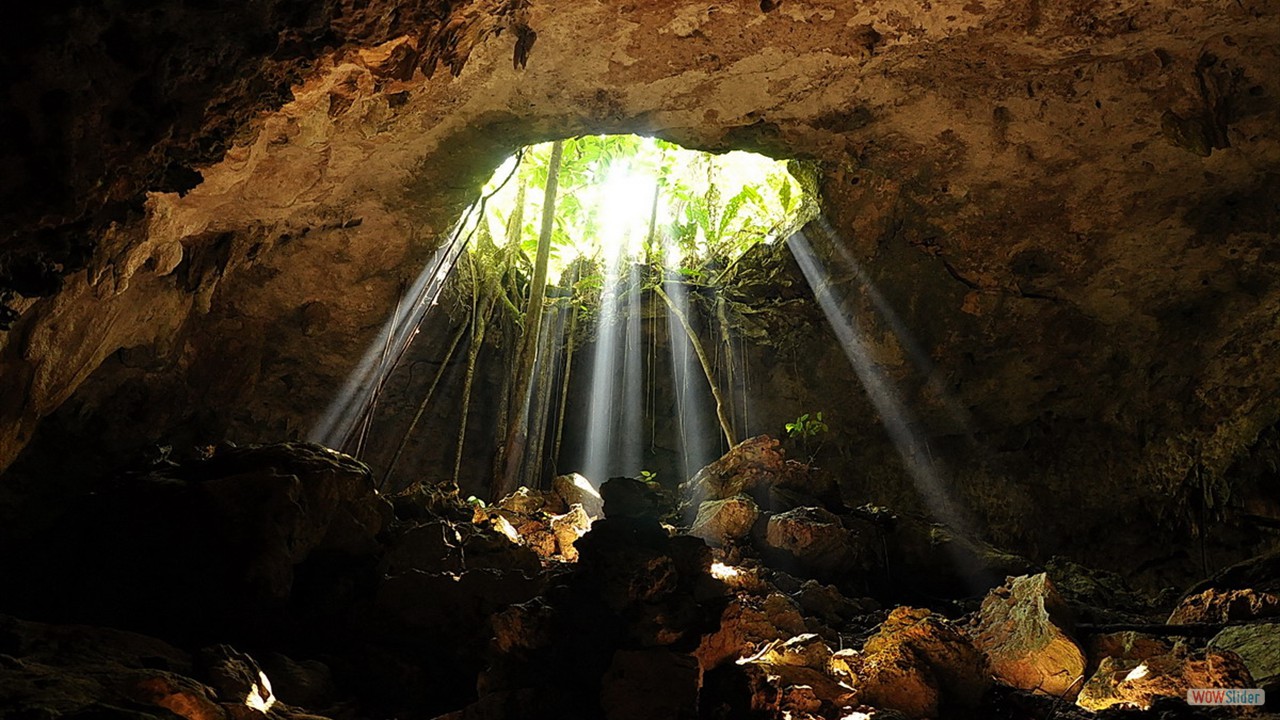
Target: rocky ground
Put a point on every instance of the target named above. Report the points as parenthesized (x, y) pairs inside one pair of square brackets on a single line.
[(275, 580)]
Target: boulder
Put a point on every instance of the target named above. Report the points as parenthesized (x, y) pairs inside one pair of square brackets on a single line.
[(918, 663), (575, 489), (829, 605), (1139, 684), (812, 541), (1259, 647), (303, 683), (568, 528), (1023, 627), (526, 501), (757, 467), (626, 497), (724, 521), (748, 623), (1221, 606)]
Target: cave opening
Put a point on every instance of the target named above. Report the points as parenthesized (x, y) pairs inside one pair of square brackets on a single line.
[(572, 278)]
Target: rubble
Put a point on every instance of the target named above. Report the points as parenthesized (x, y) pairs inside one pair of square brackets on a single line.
[(1138, 684), (725, 521)]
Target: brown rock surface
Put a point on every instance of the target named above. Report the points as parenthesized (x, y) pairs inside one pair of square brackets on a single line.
[(727, 520), (1023, 627), (1139, 684), (1221, 606)]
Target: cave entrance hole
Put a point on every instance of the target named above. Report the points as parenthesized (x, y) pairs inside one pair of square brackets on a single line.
[(625, 325)]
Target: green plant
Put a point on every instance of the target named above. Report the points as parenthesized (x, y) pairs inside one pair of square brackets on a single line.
[(474, 501), (648, 477), (805, 428)]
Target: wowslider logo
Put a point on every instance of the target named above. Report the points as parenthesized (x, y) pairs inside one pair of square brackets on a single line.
[(1226, 696)]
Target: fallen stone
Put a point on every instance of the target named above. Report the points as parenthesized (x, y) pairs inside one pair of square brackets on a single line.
[(812, 540), (1129, 683), (757, 467), (724, 521), (568, 528), (526, 501), (1023, 629), (575, 489), (749, 623), (301, 683), (1221, 606), (918, 664)]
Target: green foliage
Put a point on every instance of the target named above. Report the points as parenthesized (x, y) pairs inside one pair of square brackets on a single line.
[(648, 476), (474, 502), (806, 426)]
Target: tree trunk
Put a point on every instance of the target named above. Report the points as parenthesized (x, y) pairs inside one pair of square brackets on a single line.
[(518, 433), (725, 425), (564, 385)]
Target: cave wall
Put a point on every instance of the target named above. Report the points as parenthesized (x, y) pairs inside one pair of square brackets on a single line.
[(1073, 207)]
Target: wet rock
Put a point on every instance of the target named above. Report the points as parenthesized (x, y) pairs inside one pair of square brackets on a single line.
[(756, 467), (575, 489), (1141, 683), (655, 683), (811, 540), (917, 663), (568, 529), (1259, 647), (1023, 628), (724, 521), (1220, 606)]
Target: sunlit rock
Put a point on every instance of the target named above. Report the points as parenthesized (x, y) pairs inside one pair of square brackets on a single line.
[(526, 501), (728, 520), (1220, 606), (1023, 628), (1130, 683), (756, 467), (917, 664), (568, 528), (748, 624), (574, 489), (812, 541)]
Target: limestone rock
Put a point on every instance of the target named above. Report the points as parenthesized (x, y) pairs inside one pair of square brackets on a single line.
[(447, 606), (1139, 684), (303, 683), (575, 489), (728, 520), (568, 528), (749, 623), (812, 540), (1023, 628), (1259, 647), (829, 605), (526, 501), (1220, 606), (917, 664), (756, 467)]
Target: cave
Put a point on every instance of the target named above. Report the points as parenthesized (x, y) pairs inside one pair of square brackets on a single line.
[(317, 399)]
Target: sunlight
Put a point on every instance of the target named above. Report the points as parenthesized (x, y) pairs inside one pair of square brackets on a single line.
[(626, 206)]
